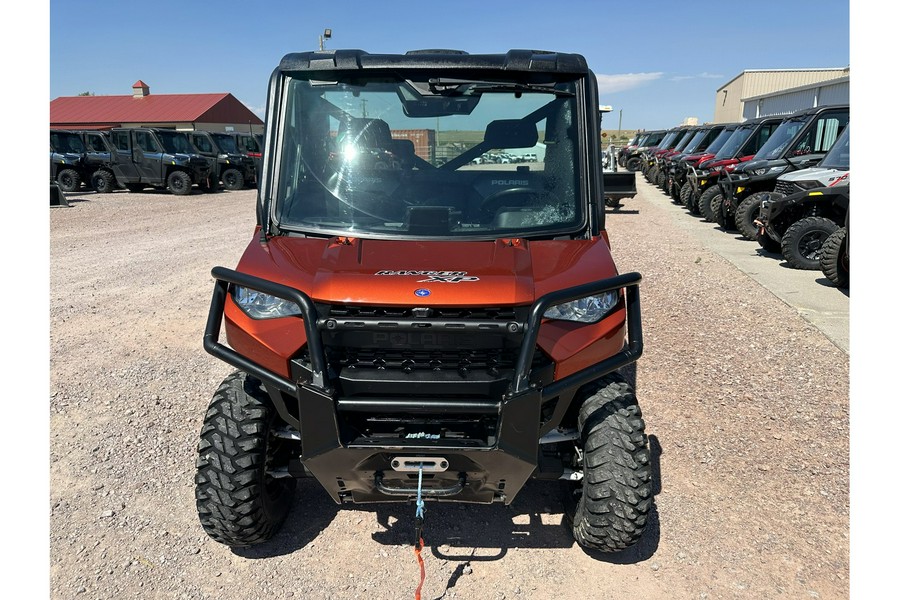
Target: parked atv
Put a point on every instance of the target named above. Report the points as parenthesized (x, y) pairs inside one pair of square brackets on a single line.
[(740, 146), (770, 227), (800, 141), (67, 166), (161, 158), (650, 165), (98, 160), (835, 261), (231, 167), (695, 151), (630, 157), (424, 332)]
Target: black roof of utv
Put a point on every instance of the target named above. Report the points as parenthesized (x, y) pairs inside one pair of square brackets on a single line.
[(537, 61)]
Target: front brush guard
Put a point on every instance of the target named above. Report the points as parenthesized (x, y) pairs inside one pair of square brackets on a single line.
[(348, 469)]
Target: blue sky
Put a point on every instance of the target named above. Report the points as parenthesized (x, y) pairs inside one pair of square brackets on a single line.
[(656, 61)]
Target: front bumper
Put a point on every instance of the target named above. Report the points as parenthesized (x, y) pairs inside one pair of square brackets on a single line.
[(488, 467)]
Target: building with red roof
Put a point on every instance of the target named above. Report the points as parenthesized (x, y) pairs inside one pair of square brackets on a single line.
[(207, 112)]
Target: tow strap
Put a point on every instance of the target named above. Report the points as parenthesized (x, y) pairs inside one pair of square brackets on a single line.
[(420, 541)]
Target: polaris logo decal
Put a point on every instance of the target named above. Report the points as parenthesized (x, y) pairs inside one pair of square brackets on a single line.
[(434, 276)]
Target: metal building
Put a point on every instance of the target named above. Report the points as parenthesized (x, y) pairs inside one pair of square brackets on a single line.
[(757, 83), (834, 91)]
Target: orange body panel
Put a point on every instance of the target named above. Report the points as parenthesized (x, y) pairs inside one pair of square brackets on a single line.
[(432, 273)]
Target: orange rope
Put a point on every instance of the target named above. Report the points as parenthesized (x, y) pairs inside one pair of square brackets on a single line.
[(419, 547)]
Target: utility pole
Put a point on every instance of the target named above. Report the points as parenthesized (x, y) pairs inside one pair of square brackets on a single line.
[(620, 121)]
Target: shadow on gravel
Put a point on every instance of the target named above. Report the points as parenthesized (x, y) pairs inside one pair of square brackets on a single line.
[(464, 533), (311, 514)]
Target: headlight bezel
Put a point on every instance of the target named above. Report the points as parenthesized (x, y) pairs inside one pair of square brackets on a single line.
[(588, 310), (261, 306)]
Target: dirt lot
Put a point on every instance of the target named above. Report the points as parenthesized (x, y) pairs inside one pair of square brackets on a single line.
[(746, 404)]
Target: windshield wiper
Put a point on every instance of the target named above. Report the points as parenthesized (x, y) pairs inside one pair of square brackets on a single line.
[(467, 87)]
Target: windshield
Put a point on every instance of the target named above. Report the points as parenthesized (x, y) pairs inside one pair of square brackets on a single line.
[(175, 142), (839, 155), (735, 142), (778, 142), (388, 156), (64, 141), (683, 142), (695, 141), (225, 143), (719, 142)]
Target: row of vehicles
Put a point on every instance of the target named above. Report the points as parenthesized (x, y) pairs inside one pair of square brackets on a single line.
[(782, 181), (135, 158)]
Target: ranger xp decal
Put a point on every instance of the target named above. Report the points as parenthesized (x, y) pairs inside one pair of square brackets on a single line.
[(434, 276)]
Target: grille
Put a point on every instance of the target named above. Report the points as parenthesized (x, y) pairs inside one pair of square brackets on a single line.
[(461, 361), (786, 187), (404, 312)]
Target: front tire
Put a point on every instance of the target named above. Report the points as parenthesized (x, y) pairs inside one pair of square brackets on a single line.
[(684, 196), (179, 183), (68, 180), (633, 164), (233, 179), (704, 204), (802, 243), (616, 493), (835, 263), (238, 503), (103, 182)]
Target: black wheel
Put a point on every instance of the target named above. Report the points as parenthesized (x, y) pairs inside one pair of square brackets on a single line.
[(685, 196), (615, 494), (835, 262), (68, 180), (724, 219), (705, 203), (612, 202), (134, 187), (238, 502), (660, 179), (179, 183), (747, 212), (103, 182), (233, 179), (802, 243), (633, 164), (768, 244)]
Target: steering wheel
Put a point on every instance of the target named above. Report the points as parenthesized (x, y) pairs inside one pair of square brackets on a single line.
[(516, 196)]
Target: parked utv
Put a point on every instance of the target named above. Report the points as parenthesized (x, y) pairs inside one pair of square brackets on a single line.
[(695, 150), (67, 166), (630, 157), (232, 168), (835, 260), (806, 207), (800, 141), (415, 331), (98, 160), (160, 158), (251, 145), (740, 147), (650, 166)]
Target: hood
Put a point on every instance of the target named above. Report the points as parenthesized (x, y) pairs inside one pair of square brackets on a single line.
[(427, 273), (822, 175)]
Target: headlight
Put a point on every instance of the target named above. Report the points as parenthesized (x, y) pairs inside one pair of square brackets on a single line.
[(807, 185), (263, 306), (584, 310), (769, 170)]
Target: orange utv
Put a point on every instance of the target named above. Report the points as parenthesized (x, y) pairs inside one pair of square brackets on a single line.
[(414, 320)]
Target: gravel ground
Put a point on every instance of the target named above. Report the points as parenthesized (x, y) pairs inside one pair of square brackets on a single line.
[(746, 405)]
